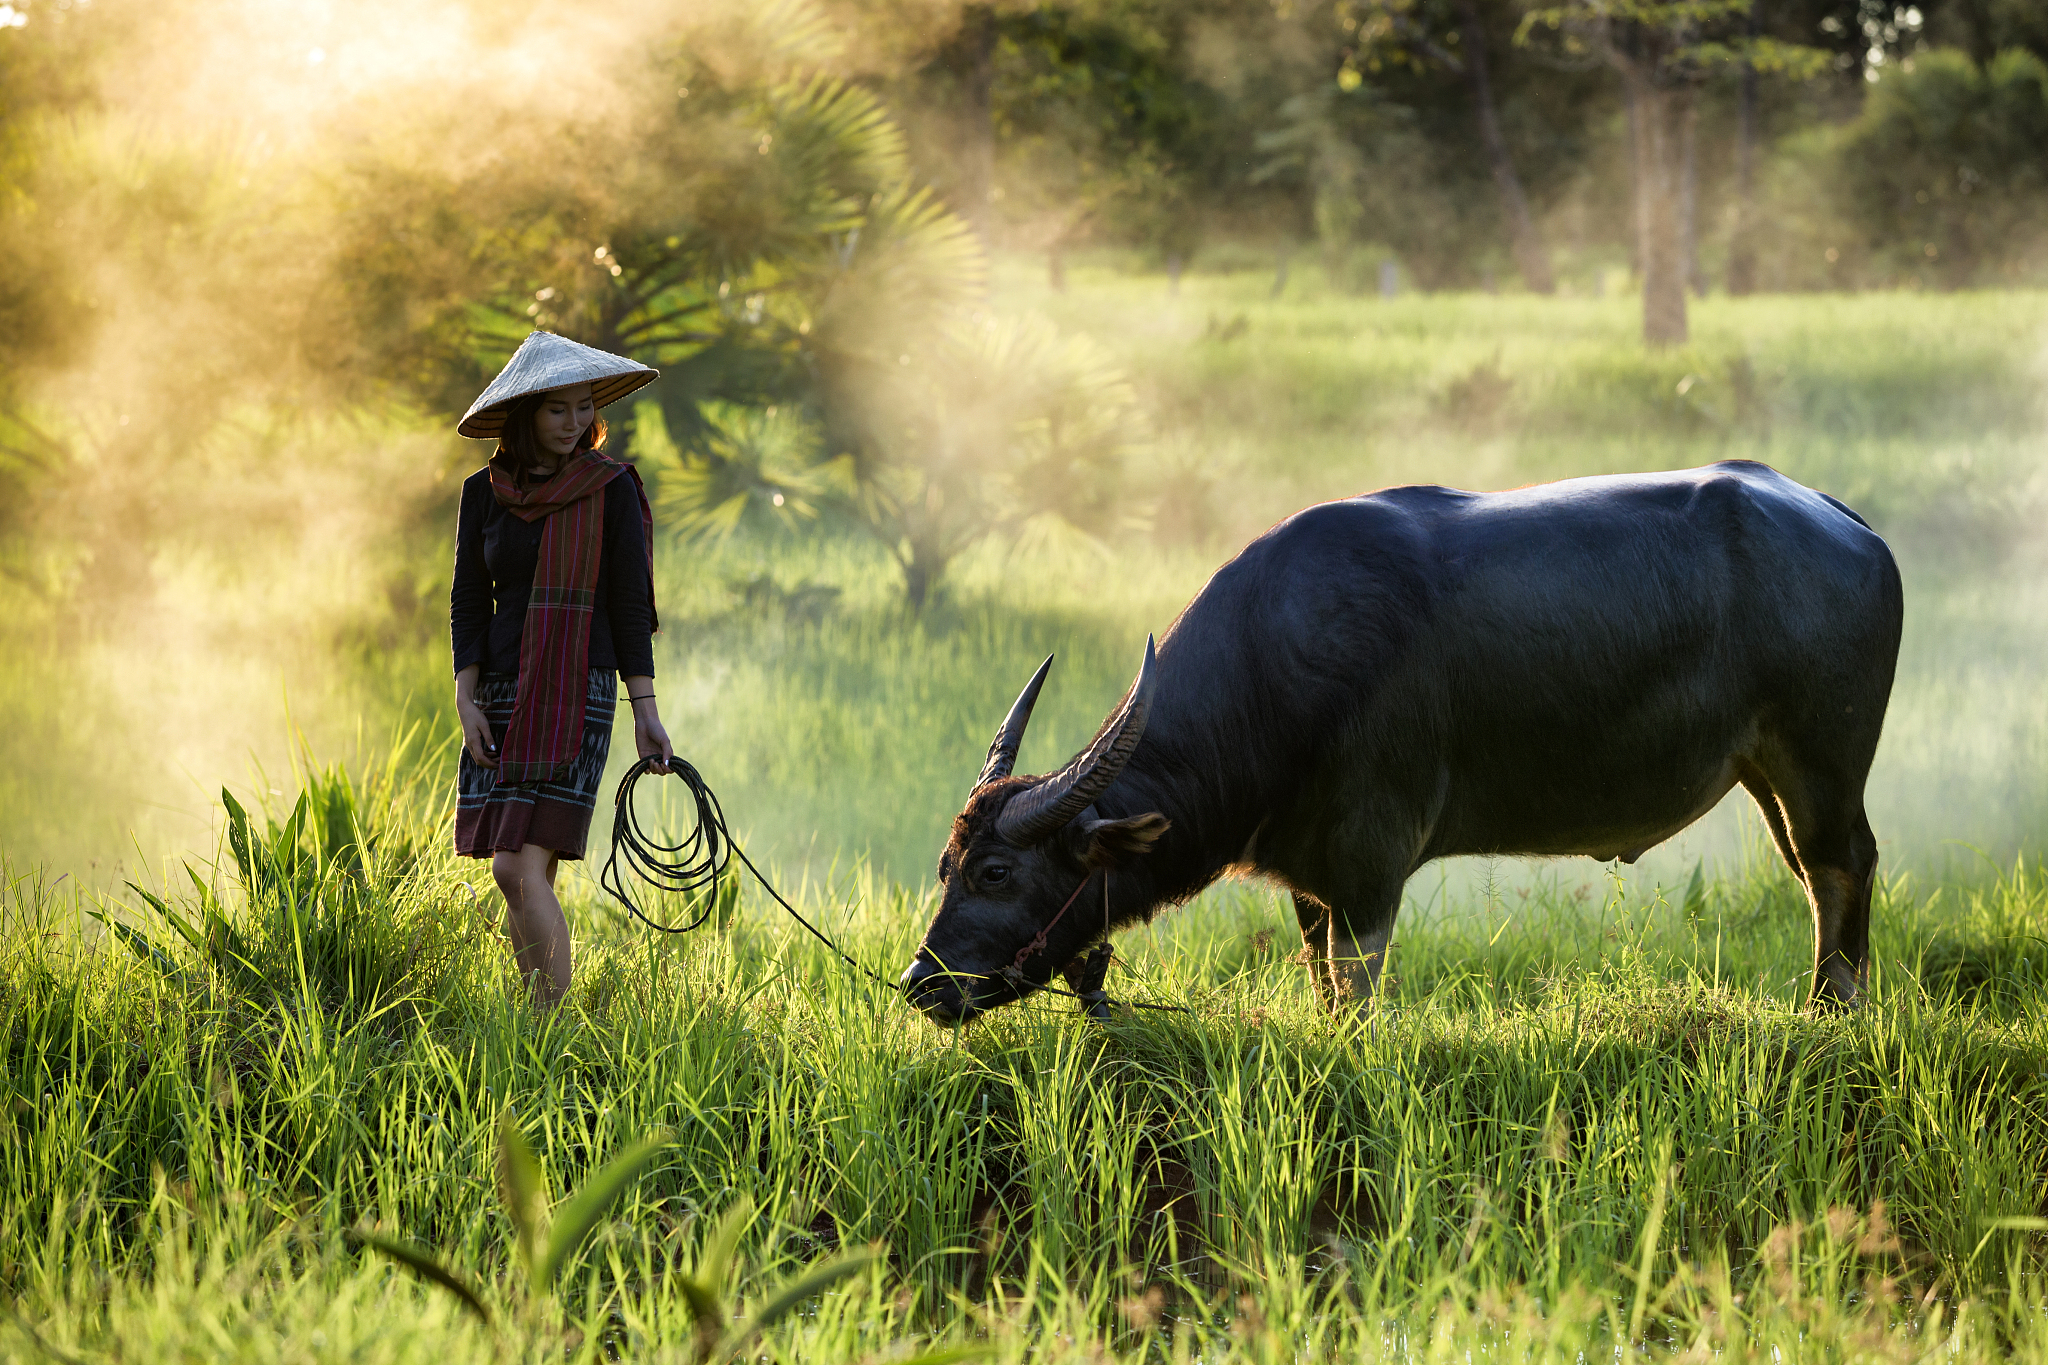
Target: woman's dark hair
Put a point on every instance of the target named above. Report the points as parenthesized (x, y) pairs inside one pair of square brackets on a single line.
[(517, 448)]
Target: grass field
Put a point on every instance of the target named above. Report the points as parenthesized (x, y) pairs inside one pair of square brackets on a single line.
[(1591, 1119), (1578, 1127)]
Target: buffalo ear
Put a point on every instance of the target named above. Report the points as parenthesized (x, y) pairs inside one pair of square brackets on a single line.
[(1105, 843)]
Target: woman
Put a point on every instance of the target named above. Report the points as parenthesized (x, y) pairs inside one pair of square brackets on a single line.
[(553, 602)]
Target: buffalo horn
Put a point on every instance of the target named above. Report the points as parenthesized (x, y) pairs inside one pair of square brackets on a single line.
[(1002, 755), (1035, 813)]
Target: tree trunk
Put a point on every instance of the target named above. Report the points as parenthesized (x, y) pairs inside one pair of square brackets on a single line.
[(974, 65), (1742, 241), (1689, 197), (1638, 217), (1980, 29), (1532, 257), (1660, 115), (924, 553)]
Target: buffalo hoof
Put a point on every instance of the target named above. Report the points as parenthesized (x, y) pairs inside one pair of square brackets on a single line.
[(1837, 987), (1832, 999)]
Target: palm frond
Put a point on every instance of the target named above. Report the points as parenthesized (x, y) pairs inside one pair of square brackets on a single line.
[(746, 466), (838, 137)]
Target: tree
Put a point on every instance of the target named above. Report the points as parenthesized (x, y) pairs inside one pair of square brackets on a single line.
[(1946, 169), (980, 426), (1655, 49), (1126, 121), (1451, 35), (759, 468), (745, 233), (1315, 148), (984, 426), (1663, 50), (1532, 257), (1982, 28), (1097, 127), (760, 236), (970, 59), (761, 239), (46, 315), (1742, 238)]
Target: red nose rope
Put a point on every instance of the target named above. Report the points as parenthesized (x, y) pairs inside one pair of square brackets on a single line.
[(1092, 999), (1037, 945)]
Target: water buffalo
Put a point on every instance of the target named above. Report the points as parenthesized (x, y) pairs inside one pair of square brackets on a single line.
[(1583, 667)]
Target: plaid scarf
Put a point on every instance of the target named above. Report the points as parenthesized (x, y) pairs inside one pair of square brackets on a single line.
[(546, 729)]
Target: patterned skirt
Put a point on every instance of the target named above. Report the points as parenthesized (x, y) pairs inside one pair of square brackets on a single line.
[(490, 815)]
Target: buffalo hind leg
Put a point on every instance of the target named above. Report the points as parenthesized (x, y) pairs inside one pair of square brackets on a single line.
[(1840, 889), (1821, 821), (1759, 790)]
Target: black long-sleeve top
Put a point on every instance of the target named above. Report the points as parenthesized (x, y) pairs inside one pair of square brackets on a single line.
[(496, 554)]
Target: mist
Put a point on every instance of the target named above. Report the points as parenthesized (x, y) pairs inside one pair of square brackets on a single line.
[(232, 555), (221, 550)]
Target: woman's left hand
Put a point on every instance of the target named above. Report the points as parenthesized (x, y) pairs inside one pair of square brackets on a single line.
[(650, 739)]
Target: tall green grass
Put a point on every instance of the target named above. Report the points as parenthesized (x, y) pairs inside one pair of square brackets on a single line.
[(1579, 1125)]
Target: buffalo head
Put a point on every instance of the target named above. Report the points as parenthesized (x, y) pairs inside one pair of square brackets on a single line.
[(1029, 857)]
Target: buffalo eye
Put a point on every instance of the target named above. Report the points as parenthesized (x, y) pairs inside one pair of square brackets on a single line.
[(995, 874)]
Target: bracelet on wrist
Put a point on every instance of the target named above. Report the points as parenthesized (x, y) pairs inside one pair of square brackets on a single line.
[(648, 697)]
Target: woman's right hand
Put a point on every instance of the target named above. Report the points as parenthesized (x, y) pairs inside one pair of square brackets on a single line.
[(476, 734), (476, 727)]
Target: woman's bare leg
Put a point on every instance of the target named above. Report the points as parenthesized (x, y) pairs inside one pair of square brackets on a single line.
[(533, 920)]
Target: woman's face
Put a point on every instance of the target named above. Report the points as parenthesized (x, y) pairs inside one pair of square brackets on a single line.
[(564, 415)]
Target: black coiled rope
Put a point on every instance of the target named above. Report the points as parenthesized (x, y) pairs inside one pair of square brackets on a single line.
[(696, 864)]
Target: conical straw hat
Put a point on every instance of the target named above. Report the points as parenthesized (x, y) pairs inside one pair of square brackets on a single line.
[(545, 361)]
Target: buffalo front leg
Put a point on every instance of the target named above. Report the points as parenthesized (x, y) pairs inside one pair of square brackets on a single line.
[(1357, 959), (1347, 949), (1314, 918), (1086, 976)]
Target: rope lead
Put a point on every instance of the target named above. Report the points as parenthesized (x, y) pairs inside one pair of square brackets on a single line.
[(696, 863)]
